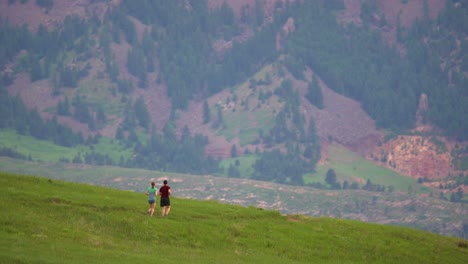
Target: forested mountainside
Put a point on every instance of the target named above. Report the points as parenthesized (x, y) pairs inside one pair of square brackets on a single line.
[(279, 80)]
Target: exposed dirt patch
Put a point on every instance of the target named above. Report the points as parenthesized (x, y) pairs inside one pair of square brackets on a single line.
[(293, 218), (35, 95), (391, 10), (410, 11), (218, 146), (33, 15), (342, 119), (415, 156)]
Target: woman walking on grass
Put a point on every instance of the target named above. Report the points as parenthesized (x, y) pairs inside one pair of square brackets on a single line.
[(151, 193), (165, 202)]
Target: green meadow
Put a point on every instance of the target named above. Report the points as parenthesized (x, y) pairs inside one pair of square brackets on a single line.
[(41, 150), (353, 168), (347, 166), (51, 221)]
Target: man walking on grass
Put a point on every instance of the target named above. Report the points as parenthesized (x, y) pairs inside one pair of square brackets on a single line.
[(165, 202)]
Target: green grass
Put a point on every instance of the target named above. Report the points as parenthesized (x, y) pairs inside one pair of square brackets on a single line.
[(50, 221), (37, 149), (396, 208), (248, 123), (245, 114), (353, 168), (41, 150), (245, 164), (102, 96)]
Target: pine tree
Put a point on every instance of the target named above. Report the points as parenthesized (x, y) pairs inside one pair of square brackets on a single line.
[(314, 93), (206, 113)]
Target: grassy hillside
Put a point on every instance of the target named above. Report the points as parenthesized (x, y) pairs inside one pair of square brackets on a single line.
[(41, 150), (348, 166), (354, 168), (395, 208), (50, 221)]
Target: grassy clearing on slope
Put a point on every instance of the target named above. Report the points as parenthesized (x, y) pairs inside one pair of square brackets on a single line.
[(249, 124), (41, 150), (353, 168), (245, 165), (50, 221), (242, 109), (103, 96), (38, 149)]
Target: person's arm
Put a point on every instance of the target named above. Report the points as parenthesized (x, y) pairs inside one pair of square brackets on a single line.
[(169, 191), (147, 193)]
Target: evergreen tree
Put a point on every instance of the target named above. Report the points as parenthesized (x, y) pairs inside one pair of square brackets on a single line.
[(330, 177), (233, 171), (233, 151), (142, 113), (314, 93), (63, 108), (220, 119), (206, 112)]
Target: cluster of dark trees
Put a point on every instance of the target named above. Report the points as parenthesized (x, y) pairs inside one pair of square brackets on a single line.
[(15, 115), (42, 3), (83, 112), (188, 64), (282, 168), (457, 196), (331, 182), (92, 158), (454, 186), (167, 152), (302, 144), (12, 153), (356, 62), (352, 60)]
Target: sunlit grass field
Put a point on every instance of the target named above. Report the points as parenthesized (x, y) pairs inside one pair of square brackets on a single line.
[(41, 150), (353, 168), (50, 221)]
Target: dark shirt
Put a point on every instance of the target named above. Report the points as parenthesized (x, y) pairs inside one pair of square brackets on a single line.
[(164, 190)]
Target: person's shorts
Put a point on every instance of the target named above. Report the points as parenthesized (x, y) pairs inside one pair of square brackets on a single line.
[(151, 201), (165, 201)]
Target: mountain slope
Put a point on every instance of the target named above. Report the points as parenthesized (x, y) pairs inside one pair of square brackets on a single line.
[(52, 221), (119, 37)]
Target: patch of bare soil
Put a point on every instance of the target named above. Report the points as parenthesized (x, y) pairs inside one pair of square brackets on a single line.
[(35, 95), (391, 10), (38, 95), (415, 156), (218, 146), (31, 14), (341, 120), (409, 11), (154, 94), (269, 6), (351, 13)]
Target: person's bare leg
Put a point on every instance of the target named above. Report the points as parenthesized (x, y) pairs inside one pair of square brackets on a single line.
[(168, 208), (152, 210), (163, 210)]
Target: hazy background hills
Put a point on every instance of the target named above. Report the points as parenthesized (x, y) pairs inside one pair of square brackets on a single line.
[(343, 96)]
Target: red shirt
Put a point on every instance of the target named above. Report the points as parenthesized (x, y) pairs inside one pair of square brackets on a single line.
[(164, 190)]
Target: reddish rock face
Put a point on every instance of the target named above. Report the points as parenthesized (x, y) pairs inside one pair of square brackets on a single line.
[(416, 156)]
